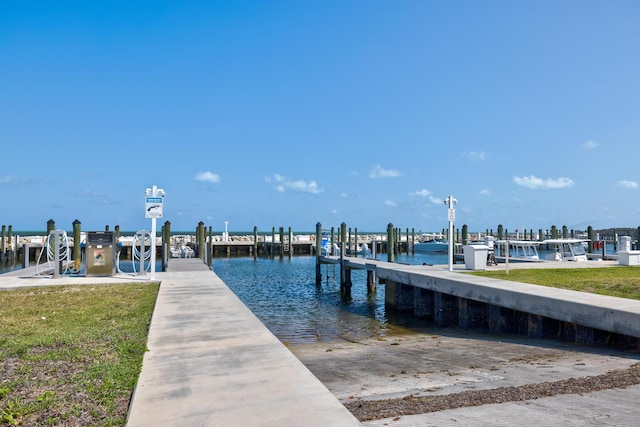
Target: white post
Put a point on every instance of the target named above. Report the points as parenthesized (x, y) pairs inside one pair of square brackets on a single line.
[(154, 208), (450, 201), (153, 248)]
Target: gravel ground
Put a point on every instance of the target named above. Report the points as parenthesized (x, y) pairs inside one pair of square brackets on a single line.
[(366, 410), (414, 373)]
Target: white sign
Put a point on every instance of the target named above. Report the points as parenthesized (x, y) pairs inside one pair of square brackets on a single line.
[(153, 207), (452, 214)]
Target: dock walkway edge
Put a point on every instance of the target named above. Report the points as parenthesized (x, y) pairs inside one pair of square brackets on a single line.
[(211, 362)]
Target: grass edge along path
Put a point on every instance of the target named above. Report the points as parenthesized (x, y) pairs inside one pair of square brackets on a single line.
[(618, 281), (72, 355)]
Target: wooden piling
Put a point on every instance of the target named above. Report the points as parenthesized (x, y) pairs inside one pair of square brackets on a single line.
[(390, 240), (3, 249), (200, 238), (77, 255), (318, 253), (355, 241), (255, 242), (273, 241), (11, 247), (371, 282)]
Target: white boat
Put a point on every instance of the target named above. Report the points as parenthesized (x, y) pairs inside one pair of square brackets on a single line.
[(564, 249), (433, 245), (326, 249), (519, 250)]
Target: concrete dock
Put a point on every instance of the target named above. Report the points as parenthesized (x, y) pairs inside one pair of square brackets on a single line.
[(211, 362)]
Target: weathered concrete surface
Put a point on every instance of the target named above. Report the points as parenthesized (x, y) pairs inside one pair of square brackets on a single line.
[(618, 315), (211, 362), (443, 361)]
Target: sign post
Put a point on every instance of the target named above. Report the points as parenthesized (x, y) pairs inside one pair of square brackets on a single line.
[(451, 202), (154, 204)]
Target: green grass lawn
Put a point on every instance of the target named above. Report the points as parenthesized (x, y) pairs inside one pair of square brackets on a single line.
[(72, 355), (620, 281)]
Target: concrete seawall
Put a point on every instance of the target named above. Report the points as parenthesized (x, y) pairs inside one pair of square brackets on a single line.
[(501, 306)]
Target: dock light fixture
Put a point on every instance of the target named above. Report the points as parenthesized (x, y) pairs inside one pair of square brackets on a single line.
[(451, 202), (154, 201)]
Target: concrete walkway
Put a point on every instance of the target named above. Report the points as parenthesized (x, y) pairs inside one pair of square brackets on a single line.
[(211, 362)]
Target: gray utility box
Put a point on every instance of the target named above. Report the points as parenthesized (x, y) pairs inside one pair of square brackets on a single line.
[(475, 256), (100, 252)]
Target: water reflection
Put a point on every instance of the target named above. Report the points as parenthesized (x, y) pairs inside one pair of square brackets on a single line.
[(282, 293)]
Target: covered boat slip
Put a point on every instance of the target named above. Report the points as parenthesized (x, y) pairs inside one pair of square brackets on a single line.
[(501, 306)]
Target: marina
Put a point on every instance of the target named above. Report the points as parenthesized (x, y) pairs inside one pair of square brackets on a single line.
[(284, 295)]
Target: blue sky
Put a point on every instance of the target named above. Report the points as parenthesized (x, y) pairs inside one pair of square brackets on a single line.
[(289, 113)]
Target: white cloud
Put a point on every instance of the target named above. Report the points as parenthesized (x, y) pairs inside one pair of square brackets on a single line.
[(485, 192), (475, 155), (207, 177), (590, 145), (435, 200), (422, 193), (628, 184), (344, 195), (13, 180), (379, 172), (391, 203), (299, 186), (535, 182)]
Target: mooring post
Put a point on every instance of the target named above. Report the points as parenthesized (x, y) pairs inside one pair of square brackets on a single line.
[(407, 240), (342, 278), (390, 240), (371, 281), (413, 241), (11, 247), (343, 237), (2, 243), (255, 242), (25, 255), (333, 241), (355, 241), (318, 244), (273, 240), (77, 255), (210, 248), (290, 243), (345, 274), (201, 242)]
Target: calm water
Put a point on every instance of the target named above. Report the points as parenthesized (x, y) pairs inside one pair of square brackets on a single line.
[(282, 293)]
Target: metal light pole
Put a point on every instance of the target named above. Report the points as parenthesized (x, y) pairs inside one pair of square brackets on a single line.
[(154, 202), (451, 202)]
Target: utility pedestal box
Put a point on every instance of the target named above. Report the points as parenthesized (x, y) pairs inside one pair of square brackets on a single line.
[(475, 257), (100, 253)]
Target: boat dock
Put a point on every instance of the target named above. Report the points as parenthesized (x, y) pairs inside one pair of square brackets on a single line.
[(212, 362), (499, 306)]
